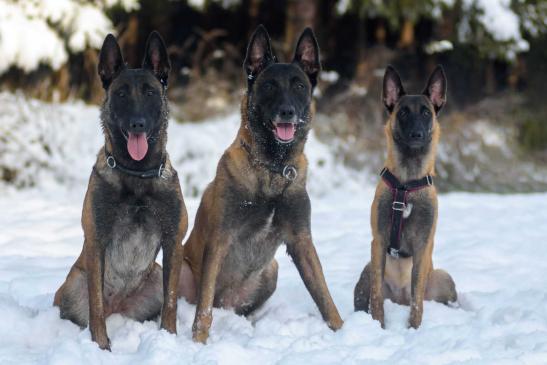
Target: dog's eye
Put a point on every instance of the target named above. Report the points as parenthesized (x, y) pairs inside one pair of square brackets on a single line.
[(149, 92), (268, 86), (426, 113), (403, 113), (299, 86), (121, 94)]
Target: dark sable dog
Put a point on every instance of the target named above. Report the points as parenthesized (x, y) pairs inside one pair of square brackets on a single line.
[(404, 210), (258, 199), (133, 205)]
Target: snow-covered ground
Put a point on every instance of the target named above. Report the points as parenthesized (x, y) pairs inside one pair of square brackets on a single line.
[(492, 245)]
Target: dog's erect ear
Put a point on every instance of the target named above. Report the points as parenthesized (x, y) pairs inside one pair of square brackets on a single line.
[(393, 88), (436, 88), (156, 58), (110, 61), (259, 53), (306, 55)]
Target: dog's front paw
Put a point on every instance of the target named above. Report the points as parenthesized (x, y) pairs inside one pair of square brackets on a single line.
[(377, 312), (335, 323), (103, 342), (200, 335), (416, 312), (414, 321), (169, 326), (200, 328)]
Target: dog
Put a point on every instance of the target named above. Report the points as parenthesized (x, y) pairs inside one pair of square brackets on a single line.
[(404, 210), (258, 198), (133, 205)]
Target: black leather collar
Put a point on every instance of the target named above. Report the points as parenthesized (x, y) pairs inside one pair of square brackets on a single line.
[(146, 174), (289, 172)]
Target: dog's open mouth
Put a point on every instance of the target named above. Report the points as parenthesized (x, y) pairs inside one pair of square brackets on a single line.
[(284, 132), (137, 145)]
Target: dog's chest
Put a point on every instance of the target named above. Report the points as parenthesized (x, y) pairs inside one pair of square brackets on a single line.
[(134, 244), (418, 220), (255, 239)]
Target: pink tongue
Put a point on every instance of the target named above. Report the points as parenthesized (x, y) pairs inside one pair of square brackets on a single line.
[(285, 131), (137, 145)]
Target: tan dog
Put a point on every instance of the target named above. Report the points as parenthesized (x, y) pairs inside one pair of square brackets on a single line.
[(404, 210), (258, 199)]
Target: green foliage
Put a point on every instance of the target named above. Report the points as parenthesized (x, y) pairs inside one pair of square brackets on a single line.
[(533, 132), (396, 10), (532, 15)]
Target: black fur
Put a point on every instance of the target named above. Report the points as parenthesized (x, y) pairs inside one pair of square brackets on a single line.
[(280, 92), (136, 101), (126, 219)]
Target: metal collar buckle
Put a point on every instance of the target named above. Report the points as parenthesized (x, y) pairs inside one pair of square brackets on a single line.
[(111, 162), (290, 173), (429, 180), (400, 206)]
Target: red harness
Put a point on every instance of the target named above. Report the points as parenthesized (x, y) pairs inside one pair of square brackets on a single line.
[(400, 194)]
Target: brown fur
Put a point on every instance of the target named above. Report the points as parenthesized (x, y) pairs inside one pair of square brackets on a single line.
[(210, 243), (410, 280)]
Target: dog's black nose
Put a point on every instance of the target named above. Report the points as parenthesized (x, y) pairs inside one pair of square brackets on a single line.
[(137, 125), (417, 135), (287, 112)]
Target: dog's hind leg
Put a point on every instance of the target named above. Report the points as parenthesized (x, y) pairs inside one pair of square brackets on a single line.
[(72, 298), (440, 287), (146, 301), (265, 289), (361, 293)]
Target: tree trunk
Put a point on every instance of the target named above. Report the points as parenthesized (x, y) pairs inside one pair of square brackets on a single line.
[(300, 14), (406, 39), (254, 10)]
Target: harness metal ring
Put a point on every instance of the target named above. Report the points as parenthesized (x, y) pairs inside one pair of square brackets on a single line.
[(290, 173), (160, 171), (111, 162), (394, 252)]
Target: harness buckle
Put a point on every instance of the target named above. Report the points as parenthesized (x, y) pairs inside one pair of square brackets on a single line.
[(400, 206), (429, 180), (290, 173), (160, 171), (111, 162), (393, 252)]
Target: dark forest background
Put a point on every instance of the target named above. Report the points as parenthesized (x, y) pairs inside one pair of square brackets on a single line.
[(490, 79)]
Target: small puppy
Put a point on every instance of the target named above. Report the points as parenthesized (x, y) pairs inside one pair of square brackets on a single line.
[(404, 210)]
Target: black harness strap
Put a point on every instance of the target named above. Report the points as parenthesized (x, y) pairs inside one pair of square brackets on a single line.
[(146, 174), (400, 194)]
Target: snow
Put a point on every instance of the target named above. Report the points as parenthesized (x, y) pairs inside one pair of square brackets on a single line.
[(491, 245), (200, 4), (499, 19), (18, 31), (500, 22), (439, 46), (34, 32)]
